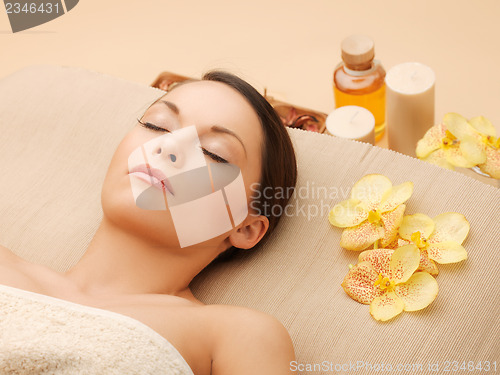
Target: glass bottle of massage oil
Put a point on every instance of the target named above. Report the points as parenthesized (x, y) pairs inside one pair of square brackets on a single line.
[(360, 80)]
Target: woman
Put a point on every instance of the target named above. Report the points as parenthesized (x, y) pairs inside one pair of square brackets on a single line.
[(135, 265)]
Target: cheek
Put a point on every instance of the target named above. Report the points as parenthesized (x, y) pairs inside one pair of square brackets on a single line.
[(117, 171), (129, 143), (118, 165), (252, 178)]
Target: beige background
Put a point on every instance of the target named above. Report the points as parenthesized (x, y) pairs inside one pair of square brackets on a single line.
[(289, 46)]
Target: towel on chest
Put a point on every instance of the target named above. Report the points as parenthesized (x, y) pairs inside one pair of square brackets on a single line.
[(45, 335)]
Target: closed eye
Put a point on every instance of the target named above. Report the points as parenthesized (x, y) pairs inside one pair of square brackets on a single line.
[(153, 127), (213, 156), (156, 128)]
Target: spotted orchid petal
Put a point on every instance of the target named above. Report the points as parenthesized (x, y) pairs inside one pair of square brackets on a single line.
[(393, 245), (348, 213), (362, 236), (359, 283), (371, 190), (449, 226), (492, 164), (379, 259), (438, 158), (404, 262), (398, 195), (386, 307), (416, 223), (447, 252), (431, 141), (418, 292), (483, 125), (426, 264), (392, 221)]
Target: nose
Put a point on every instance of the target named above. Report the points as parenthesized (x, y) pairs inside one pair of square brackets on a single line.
[(168, 150)]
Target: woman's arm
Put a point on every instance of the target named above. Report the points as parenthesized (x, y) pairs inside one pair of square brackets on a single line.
[(251, 342)]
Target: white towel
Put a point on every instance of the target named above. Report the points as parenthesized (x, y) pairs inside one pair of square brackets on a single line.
[(45, 335)]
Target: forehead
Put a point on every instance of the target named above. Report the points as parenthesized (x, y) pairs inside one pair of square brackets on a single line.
[(213, 101)]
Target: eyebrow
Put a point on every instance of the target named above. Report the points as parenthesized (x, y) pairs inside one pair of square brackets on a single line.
[(214, 128), (172, 106)]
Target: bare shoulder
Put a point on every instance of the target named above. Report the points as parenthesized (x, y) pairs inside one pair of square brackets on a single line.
[(248, 321), (248, 341)]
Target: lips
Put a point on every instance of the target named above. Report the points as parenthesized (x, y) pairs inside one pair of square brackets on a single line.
[(152, 176)]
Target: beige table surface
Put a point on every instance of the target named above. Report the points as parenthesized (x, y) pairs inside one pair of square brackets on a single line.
[(290, 47)]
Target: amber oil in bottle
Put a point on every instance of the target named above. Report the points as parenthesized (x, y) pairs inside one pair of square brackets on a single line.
[(360, 80)]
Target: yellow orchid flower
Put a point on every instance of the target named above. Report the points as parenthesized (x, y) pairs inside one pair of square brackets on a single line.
[(372, 214), (386, 280), (453, 143), (457, 142), (439, 239)]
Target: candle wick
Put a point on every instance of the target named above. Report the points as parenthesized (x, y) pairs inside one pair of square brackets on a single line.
[(352, 118), (413, 75)]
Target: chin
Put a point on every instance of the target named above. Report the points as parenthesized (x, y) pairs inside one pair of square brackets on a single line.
[(119, 207)]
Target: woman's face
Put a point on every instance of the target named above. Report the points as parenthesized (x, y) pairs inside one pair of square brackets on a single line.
[(211, 113)]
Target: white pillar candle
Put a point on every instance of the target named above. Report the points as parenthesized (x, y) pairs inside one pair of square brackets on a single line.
[(352, 122), (410, 105)]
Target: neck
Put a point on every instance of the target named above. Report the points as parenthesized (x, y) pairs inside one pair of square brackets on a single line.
[(117, 262)]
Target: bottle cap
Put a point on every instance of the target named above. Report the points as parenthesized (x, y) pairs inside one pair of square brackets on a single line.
[(357, 50)]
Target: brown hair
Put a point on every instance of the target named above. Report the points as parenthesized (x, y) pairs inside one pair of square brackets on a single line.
[(279, 166)]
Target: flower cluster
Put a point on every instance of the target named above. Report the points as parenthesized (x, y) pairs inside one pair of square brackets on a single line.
[(397, 273), (457, 142)]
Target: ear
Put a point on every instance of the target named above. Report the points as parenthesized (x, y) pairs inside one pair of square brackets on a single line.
[(250, 232)]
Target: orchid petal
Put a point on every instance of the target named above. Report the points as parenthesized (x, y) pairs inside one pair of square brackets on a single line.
[(450, 226), (393, 245), (483, 125), (492, 164), (402, 242), (361, 237), (416, 223), (371, 189), (386, 307), (456, 157), (359, 283), (458, 126), (399, 194), (404, 262), (438, 158), (431, 141), (418, 292), (392, 221), (447, 252), (473, 150), (379, 259), (348, 213), (426, 264)]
